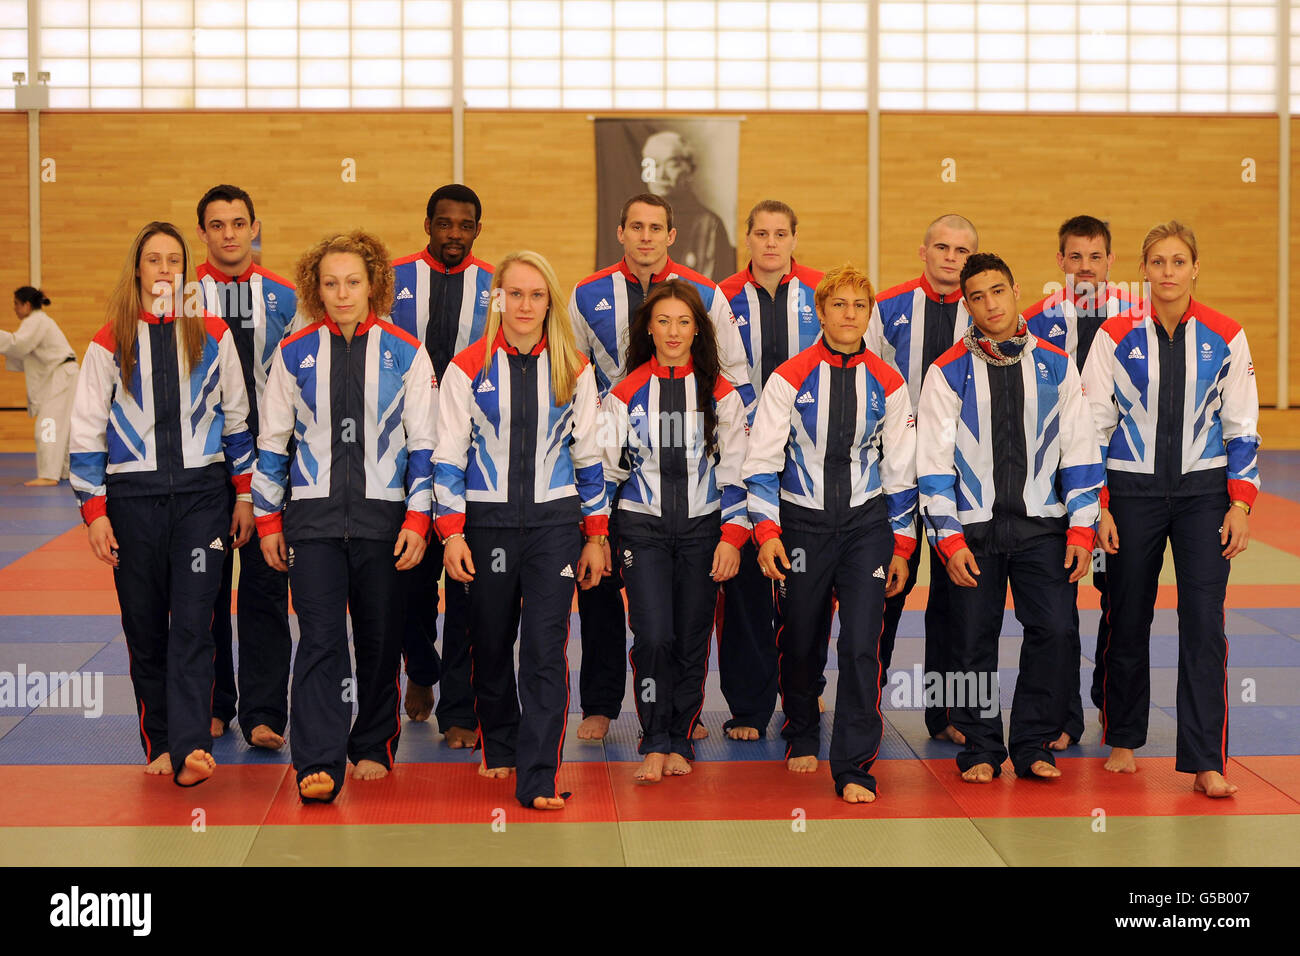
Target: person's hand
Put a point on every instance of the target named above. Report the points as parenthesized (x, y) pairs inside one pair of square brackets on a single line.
[(410, 545), (1107, 533), (1080, 558), (1235, 533), (273, 551), (726, 562), (591, 564), (241, 523), (456, 560), (962, 569), (103, 544), (769, 554), (609, 559), (897, 579)]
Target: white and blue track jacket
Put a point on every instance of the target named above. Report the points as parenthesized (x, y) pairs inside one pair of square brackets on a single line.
[(164, 434), (773, 330), (823, 407), (507, 456), (1056, 319), (453, 301), (651, 433), (955, 446), (897, 329), (363, 414), (272, 302), (602, 307), (1175, 416)]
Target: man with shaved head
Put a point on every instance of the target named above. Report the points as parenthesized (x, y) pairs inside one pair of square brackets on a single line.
[(912, 325)]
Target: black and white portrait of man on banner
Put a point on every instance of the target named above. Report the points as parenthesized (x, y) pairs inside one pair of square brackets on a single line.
[(693, 164)]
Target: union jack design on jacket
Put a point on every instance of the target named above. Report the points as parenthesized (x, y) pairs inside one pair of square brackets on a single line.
[(481, 460), (363, 413), (162, 434), (955, 446), (800, 326), (602, 307), (897, 329), (634, 419), (1055, 318), (411, 281), (786, 461), (1218, 404), (274, 304)]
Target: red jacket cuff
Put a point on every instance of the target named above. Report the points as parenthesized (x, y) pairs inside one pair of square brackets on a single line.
[(418, 522), (95, 507), (1239, 490), (1104, 497), (735, 534), (243, 483), (1081, 538), (904, 546), (765, 531), (950, 545), (269, 524), (595, 524), (453, 522)]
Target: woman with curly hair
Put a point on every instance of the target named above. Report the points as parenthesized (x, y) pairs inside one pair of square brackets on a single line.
[(359, 396), (673, 436)]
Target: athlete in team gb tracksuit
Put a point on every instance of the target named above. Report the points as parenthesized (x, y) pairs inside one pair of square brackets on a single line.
[(517, 467), (1009, 475), (157, 422), (830, 473), (1173, 397), (673, 437), (359, 396)]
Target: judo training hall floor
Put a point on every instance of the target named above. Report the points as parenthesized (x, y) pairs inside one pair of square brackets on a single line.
[(72, 790)]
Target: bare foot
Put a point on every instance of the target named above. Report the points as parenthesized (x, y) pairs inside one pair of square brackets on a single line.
[(1060, 743), (801, 764), (1121, 760), (494, 773), (742, 733), (980, 773), (160, 765), (199, 765), (952, 735), (651, 769), (676, 766), (458, 738), (419, 701), (1041, 768), (821, 706), (369, 770), (218, 728), (316, 786), (264, 736), (700, 732), (857, 793), (1212, 784), (594, 727), (41, 483), (548, 803)]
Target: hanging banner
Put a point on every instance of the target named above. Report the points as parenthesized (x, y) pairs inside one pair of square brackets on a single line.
[(692, 163)]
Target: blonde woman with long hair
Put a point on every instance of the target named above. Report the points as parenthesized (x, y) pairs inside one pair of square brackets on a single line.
[(517, 468), (158, 428)]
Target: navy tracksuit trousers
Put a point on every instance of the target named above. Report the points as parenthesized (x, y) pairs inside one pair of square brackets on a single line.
[(522, 576), (423, 664), (333, 578), (747, 622), (670, 600), (602, 616), (1192, 525), (171, 549), (853, 563), (1043, 598)]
